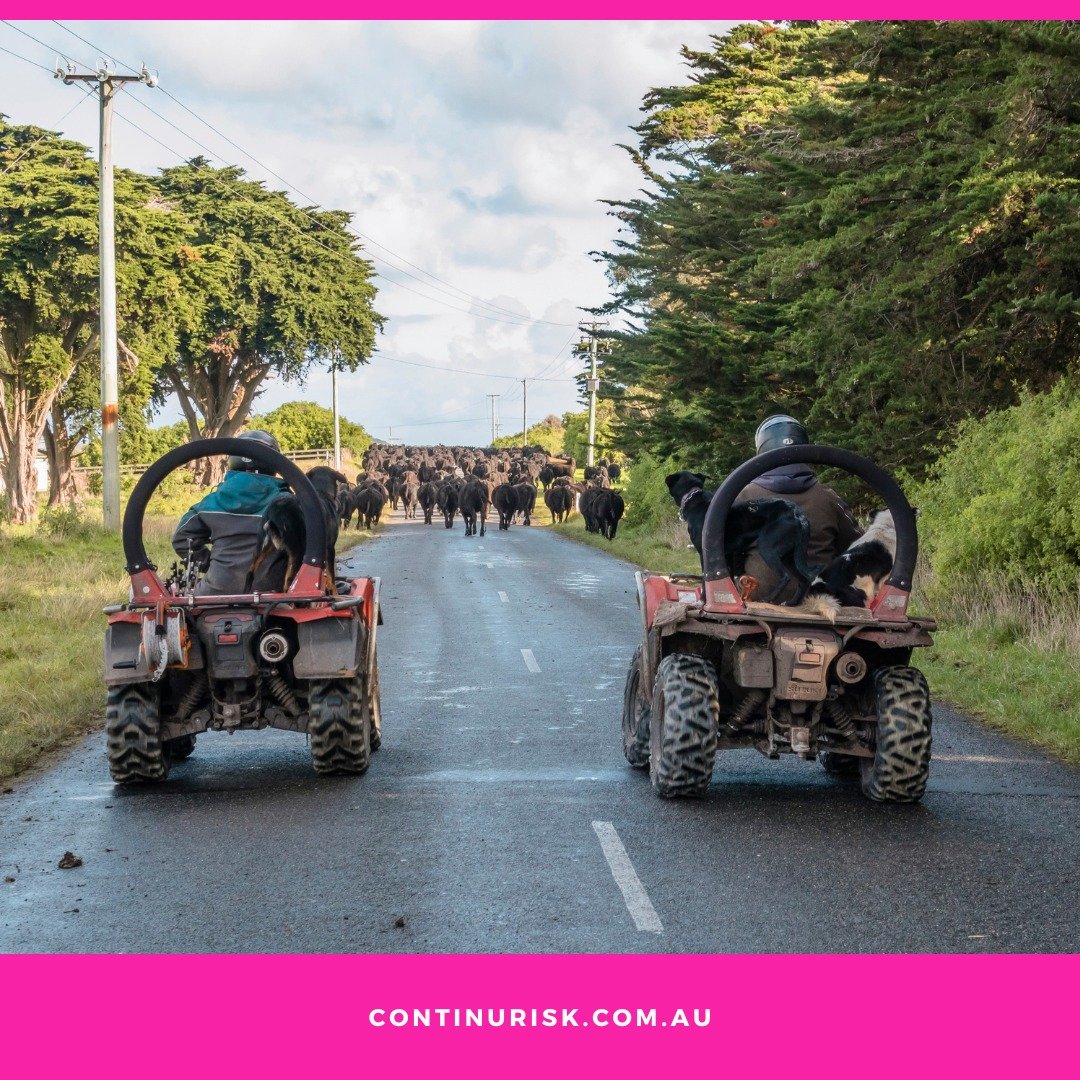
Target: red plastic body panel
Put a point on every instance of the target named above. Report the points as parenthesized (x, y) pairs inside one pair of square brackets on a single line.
[(660, 588), (890, 605), (723, 598)]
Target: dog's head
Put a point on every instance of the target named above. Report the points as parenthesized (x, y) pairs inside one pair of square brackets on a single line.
[(681, 483), (326, 480)]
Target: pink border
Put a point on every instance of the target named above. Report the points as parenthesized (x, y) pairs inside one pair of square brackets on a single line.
[(544, 9), (795, 1016)]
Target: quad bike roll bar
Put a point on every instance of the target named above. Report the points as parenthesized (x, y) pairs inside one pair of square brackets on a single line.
[(139, 565), (721, 595)]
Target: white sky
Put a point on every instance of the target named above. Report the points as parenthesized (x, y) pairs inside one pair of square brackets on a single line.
[(477, 151)]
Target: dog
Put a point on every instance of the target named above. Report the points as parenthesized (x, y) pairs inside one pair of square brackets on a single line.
[(778, 529), (854, 578), (283, 535)]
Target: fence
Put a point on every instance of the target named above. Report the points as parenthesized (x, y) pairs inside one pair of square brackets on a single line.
[(301, 457)]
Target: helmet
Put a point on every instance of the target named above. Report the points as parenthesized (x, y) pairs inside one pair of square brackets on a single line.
[(776, 431), (245, 464)]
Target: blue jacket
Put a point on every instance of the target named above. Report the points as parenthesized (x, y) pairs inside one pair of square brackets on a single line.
[(223, 530)]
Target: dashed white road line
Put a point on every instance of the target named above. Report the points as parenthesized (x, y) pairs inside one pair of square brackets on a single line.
[(504, 598), (622, 870), (530, 661)]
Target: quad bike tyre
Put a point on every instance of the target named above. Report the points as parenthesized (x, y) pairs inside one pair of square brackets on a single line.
[(181, 748), (900, 766), (635, 716), (839, 764), (136, 751), (684, 722), (339, 726), (375, 704)]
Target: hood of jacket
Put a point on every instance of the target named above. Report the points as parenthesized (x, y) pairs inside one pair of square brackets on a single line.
[(788, 479)]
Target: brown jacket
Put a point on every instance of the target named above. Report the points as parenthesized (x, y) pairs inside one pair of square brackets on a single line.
[(832, 530)]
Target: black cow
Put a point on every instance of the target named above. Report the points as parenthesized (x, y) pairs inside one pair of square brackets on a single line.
[(504, 499), (447, 501), (526, 500), (474, 504), (559, 499), (428, 497)]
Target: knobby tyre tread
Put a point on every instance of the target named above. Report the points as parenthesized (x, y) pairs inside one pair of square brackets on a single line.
[(900, 767), (135, 749), (635, 716), (375, 704), (684, 723), (339, 726)]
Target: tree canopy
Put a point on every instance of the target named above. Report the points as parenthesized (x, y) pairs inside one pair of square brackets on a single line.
[(872, 225), (49, 295), (304, 425), (278, 289)]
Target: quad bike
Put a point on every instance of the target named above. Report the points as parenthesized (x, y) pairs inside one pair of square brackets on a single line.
[(718, 673), (177, 664)]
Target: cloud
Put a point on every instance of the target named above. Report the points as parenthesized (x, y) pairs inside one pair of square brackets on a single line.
[(477, 151)]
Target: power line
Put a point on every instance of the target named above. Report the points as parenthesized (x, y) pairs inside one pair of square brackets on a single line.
[(25, 59), (37, 40), (457, 371), (463, 294), (46, 133)]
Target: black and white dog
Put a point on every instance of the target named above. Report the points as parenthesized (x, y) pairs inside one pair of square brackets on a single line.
[(283, 535), (854, 578), (777, 528)]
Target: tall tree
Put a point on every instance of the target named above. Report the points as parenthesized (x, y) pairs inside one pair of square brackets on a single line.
[(280, 289), (49, 290), (873, 224)]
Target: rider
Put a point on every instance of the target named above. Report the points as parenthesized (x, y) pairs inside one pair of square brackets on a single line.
[(223, 527), (832, 525)]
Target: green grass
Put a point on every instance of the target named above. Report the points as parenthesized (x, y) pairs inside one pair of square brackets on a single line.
[(665, 554), (54, 580), (1014, 686)]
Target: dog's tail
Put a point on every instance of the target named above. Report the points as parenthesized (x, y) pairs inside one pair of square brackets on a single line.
[(821, 604)]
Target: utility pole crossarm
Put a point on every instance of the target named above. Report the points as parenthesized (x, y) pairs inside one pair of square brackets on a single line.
[(109, 84)]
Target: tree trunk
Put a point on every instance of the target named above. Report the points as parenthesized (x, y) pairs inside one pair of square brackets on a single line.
[(20, 480), (60, 449), (217, 401)]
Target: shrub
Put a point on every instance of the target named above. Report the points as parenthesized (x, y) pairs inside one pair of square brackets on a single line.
[(1004, 501), (648, 503)]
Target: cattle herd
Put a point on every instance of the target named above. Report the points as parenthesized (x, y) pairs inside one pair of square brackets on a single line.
[(470, 481)]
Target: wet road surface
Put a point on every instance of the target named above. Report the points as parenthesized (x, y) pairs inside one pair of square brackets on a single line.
[(500, 815)]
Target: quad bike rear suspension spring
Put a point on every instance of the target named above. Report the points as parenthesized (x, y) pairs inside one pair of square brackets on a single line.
[(741, 713), (843, 719), (283, 694), (193, 696)]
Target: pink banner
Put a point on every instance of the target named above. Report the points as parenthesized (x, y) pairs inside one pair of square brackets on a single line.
[(544, 9), (805, 1016)]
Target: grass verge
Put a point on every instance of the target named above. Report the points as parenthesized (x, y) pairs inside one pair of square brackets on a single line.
[(665, 552), (1004, 663)]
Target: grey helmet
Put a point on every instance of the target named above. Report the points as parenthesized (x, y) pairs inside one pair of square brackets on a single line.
[(246, 464), (776, 431)]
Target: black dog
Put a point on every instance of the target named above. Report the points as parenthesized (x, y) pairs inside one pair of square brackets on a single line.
[(777, 528), (283, 535)]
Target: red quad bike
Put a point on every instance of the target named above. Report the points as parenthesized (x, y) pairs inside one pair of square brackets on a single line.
[(177, 664), (718, 673)]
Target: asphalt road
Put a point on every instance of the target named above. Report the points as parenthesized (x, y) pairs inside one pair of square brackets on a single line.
[(500, 816)]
